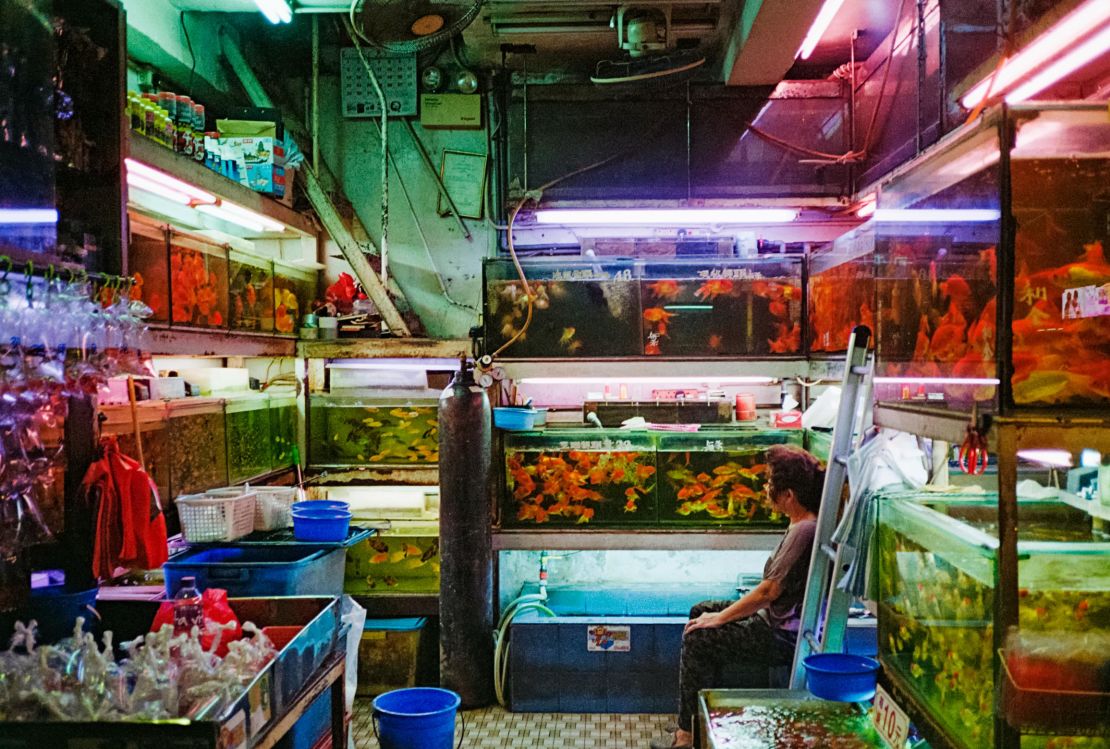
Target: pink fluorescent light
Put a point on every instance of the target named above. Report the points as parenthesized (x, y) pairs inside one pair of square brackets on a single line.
[(1051, 458), (936, 380), (156, 188), (27, 216), (247, 215), (137, 168), (648, 380), (1069, 63), (820, 26), (936, 215), (222, 212), (868, 207), (1089, 16), (664, 216)]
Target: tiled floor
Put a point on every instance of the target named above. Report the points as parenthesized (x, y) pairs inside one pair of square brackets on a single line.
[(496, 728)]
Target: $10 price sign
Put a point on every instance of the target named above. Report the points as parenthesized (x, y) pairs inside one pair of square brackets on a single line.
[(889, 720)]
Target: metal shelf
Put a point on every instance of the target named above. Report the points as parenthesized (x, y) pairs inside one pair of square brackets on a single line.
[(384, 348), (159, 157), (196, 342), (634, 540), (938, 424)]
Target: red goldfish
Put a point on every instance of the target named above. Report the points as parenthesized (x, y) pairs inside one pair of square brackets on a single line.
[(786, 341), (664, 289), (714, 341), (713, 289), (778, 308), (660, 317)]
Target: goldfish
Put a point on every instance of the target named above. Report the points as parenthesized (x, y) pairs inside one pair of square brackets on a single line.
[(659, 316), (574, 346), (714, 341), (955, 288), (713, 289), (380, 558), (786, 340), (643, 472), (567, 336), (651, 348), (989, 257), (413, 551), (664, 289), (778, 308), (396, 556)]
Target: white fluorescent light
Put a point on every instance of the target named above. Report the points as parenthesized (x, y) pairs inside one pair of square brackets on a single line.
[(936, 380), (140, 169), (819, 27), (1088, 17), (935, 215), (868, 207), (664, 216), (221, 212), (1072, 61), (1047, 457), (267, 223), (649, 380), (27, 216), (276, 11), (155, 188)]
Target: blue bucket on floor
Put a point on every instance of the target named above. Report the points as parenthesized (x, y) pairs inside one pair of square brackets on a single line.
[(841, 676), (416, 718)]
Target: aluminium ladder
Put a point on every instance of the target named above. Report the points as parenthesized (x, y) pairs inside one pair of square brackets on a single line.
[(824, 601)]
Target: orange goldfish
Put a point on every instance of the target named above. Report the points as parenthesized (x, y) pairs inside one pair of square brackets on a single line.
[(786, 341), (713, 289), (955, 288), (643, 472), (651, 348), (659, 316), (714, 341), (778, 308), (664, 289)]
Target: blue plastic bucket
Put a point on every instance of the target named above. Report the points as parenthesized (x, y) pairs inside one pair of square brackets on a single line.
[(416, 718), (321, 525), (841, 676), (321, 504), (56, 608)]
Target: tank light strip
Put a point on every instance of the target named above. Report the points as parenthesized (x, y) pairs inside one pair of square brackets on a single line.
[(1049, 457), (820, 25), (1072, 61), (172, 183), (276, 11), (936, 380), (1085, 19), (935, 215), (663, 217), (649, 380)]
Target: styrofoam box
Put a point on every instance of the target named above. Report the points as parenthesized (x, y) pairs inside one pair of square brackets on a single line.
[(218, 379)]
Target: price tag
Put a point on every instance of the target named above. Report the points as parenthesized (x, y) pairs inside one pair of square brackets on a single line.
[(890, 721)]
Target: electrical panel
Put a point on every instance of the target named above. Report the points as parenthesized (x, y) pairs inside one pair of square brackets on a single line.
[(396, 75)]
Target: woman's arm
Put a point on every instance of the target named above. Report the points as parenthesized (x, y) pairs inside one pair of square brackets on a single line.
[(759, 597)]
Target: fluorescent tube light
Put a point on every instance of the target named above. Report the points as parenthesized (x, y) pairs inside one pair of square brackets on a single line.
[(664, 216), (221, 212), (868, 207), (153, 175), (267, 223), (1047, 457), (936, 380), (276, 11), (819, 27), (27, 216), (661, 380), (935, 215), (155, 188), (1069, 63), (1084, 19)]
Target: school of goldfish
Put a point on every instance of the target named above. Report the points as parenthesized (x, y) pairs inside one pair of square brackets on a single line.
[(195, 289), (840, 298), (732, 490), (368, 435), (574, 485)]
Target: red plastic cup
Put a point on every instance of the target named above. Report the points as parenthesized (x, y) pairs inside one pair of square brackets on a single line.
[(745, 407)]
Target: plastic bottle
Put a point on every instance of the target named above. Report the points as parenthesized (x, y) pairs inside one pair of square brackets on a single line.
[(187, 608)]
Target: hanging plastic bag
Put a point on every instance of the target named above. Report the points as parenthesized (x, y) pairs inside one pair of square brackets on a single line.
[(219, 620)]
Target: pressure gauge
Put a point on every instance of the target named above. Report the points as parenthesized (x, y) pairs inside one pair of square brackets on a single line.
[(431, 79), (467, 82), (485, 380)]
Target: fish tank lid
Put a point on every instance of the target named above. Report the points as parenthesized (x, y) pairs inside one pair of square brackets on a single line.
[(295, 272), (245, 402), (585, 439), (193, 406), (282, 401), (376, 399)]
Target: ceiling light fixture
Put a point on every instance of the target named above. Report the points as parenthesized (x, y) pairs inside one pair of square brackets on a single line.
[(196, 195), (27, 216), (1063, 35), (936, 215), (276, 11), (1069, 63), (867, 207), (819, 27), (664, 216), (268, 224), (155, 188)]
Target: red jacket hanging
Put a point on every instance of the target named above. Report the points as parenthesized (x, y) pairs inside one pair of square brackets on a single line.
[(130, 526)]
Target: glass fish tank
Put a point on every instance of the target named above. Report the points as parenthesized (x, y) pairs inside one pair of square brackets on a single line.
[(283, 431), (198, 282), (841, 292), (579, 477), (784, 719), (717, 476), (579, 309), (729, 308), (247, 425), (819, 442), (148, 264), (294, 293), (251, 289), (401, 559), (198, 451), (373, 430), (936, 572)]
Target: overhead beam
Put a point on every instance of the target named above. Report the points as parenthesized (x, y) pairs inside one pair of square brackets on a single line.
[(766, 39)]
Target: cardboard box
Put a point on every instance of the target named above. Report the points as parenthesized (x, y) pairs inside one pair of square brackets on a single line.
[(259, 153)]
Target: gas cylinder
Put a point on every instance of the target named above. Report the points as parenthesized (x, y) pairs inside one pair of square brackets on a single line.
[(465, 542)]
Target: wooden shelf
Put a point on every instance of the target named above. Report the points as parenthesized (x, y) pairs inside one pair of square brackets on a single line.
[(196, 342), (150, 153), (635, 540), (384, 348)]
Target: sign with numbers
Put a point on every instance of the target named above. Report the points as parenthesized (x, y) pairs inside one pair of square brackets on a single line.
[(890, 721)]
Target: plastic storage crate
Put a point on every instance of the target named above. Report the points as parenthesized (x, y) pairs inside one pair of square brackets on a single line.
[(260, 570), (387, 655), (206, 518)]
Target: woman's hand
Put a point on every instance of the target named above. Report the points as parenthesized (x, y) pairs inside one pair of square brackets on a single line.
[(708, 620)]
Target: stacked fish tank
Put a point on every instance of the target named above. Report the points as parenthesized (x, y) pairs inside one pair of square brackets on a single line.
[(673, 308), (403, 558), (283, 431), (247, 426), (939, 274), (937, 578), (370, 428), (251, 288), (198, 450), (718, 476), (148, 264), (198, 282), (581, 478), (294, 293), (841, 291)]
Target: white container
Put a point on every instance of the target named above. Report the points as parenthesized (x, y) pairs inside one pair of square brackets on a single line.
[(329, 327), (165, 388), (206, 518), (273, 506), (218, 380)]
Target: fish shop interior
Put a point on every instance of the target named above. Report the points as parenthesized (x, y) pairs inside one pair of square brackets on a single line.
[(444, 374)]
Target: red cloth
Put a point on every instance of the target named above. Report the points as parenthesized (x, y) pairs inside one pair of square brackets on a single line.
[(130, 526)]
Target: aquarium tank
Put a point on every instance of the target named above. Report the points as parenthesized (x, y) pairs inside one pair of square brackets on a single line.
[(936, 572), (841, 291), (247, 427), (373, 429)]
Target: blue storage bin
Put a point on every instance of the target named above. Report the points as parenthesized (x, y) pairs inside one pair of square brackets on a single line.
[(260, 571), (309, 730)]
